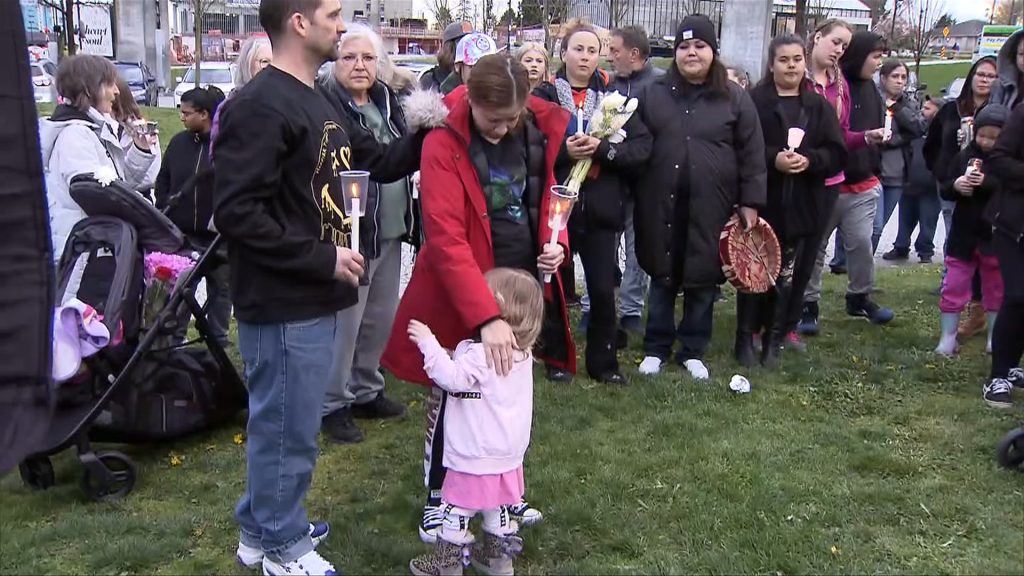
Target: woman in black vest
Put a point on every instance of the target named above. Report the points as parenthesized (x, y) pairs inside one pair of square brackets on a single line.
[(796, 177)]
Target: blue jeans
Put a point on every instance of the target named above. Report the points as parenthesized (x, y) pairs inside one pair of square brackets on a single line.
[(887, 202), (286, 369), (693, 331), (633, 289), (918, 210)]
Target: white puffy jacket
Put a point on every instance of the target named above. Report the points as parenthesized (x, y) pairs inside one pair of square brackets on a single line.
[(75, 143)]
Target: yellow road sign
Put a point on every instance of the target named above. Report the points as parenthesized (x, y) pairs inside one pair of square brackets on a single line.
[(945, 32)]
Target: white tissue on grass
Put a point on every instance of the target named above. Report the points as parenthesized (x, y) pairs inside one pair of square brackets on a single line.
[(739, 384)]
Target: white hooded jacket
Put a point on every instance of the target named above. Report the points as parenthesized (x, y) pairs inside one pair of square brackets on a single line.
[(74, 143)]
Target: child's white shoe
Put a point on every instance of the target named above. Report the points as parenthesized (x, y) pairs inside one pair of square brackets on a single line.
[(697, 369), (309, 564), (650, 366)]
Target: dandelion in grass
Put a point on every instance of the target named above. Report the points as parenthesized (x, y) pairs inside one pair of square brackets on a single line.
[(175, 459), (239, 439)]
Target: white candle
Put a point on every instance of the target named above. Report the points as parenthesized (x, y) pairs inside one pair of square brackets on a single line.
[(579, 120), (552, 242), (888, 126), (355, 224)]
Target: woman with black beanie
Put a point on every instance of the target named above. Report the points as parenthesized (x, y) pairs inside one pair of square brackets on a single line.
[(708, 162)]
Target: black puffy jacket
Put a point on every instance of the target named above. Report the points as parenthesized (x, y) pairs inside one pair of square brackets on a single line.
[(1006, 161)]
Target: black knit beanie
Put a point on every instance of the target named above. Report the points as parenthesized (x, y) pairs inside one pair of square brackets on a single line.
[(697, 27)]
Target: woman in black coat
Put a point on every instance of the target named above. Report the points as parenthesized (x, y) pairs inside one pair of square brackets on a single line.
[(708, 159), (598, 218), (796, 177)]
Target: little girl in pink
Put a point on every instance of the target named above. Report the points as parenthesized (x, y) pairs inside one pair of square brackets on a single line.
[(487, 424)]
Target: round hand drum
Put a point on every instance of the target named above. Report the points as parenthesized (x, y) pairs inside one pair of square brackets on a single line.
[(751, 259)]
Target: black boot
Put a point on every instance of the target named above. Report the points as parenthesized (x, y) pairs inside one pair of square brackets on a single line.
[(746, 310), (775, 323)]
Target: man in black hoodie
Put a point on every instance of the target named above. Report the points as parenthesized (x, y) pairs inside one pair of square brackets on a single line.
[(280, 150), (184, 188), (854, 212)]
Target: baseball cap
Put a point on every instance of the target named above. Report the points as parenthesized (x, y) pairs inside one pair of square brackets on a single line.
[(473, 47), (456, 30)]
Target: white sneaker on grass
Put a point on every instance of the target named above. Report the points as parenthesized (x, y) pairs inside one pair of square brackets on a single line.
[(650, 366), (250, 557), (430, 525), (697, 369), (309, 564), (524, 514)]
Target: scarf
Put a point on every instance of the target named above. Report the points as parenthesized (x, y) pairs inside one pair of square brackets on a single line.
[(565, 99)]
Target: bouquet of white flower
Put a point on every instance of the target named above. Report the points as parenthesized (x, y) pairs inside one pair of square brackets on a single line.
[(607, 121)]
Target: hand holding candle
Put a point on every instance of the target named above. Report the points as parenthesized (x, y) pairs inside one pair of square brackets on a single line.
[(354, 184), (579, 120), (560, 206)]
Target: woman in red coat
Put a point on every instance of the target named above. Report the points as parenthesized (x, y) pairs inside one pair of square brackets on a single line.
[(485, 180)]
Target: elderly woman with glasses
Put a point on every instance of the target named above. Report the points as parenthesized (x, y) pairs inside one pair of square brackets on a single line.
[(356, 388)]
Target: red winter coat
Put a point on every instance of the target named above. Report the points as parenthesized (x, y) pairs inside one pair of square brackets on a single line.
[(447, 291)]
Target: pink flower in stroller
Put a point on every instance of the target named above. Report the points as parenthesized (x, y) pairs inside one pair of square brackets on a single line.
[(162, 273)]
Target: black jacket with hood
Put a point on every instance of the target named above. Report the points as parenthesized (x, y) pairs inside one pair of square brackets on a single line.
[(791, 207), (867, 110), (1008, 89), (184, 185), (908, 125), (386, 100), (1006, 161), (708, 158), (942, 143), (630, 86), (969, 231)]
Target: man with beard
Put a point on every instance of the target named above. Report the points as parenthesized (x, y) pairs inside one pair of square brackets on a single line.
[(279, 154)]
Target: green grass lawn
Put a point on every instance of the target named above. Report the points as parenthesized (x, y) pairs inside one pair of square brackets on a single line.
[(938, 76), (867, 455)]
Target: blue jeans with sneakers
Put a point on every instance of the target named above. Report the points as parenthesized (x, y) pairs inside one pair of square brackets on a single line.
[(287, 368)]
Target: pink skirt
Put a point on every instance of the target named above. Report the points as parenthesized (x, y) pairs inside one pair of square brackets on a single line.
[(483, 492)]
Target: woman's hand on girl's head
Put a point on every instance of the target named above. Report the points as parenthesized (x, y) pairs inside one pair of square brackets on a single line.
[(418, 331), (550, 259), (500, 344)]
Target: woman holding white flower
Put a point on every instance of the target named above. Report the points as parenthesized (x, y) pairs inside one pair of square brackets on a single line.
[(708, 162), (595, 224)]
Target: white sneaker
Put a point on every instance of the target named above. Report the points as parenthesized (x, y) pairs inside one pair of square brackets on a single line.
[(650, 366), (524, 514), (309, 564), (697, 369), (430, 525), (250, 556)]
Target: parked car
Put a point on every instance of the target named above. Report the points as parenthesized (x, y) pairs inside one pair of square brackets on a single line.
[(44, 81), (219, 74), (417, 67), (141, 80)]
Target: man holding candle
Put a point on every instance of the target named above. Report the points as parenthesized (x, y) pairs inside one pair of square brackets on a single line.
[(279, 154)]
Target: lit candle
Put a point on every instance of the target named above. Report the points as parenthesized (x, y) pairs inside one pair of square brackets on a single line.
[(579, 120), (560, 206), (355, 217), (887, 132)]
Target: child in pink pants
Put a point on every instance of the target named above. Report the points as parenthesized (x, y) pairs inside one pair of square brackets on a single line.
[(969, 243)]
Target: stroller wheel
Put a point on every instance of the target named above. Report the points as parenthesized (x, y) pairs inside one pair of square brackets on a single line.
[(108, 476), (37, 473), (1010, 450)]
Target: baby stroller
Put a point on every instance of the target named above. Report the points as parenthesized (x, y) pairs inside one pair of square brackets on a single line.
[(144, 386)]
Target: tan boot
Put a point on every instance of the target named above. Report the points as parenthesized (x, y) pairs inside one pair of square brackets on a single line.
[(495, 554), (973, 321), (446, 559)]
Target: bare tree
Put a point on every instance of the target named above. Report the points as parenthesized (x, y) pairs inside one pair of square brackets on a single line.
[(67, 34), (617, 11), (809, 13), (1007, 12), (922, 17), (441, 11)]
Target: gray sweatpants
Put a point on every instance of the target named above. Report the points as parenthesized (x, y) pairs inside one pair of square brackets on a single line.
[(362, 333), (854, 216)]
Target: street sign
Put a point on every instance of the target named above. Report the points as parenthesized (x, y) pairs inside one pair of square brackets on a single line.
[(945, 32)]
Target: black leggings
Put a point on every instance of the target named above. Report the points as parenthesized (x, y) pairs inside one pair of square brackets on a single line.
[(1008, 334)]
